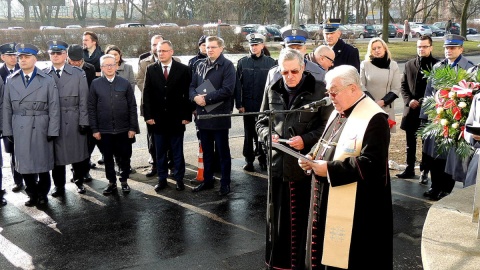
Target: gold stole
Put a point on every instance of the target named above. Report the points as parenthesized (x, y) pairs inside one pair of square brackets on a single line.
[(341, 199)]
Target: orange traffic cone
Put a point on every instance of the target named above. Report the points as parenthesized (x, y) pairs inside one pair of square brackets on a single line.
[(200, 164)]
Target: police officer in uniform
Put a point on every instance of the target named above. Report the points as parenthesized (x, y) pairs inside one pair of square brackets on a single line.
[(10, 65), (446, 168), (2, 191), (31, 117), (345, 54), (252, 71), (296, 39), (71, 145)]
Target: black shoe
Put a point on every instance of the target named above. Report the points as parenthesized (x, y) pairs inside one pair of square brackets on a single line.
[(406, 174), (248, 167), (42, 201), (80, 188), (31, 202), (112, 187), (162, 184), (442, 194), (431, 193), (2, 200), (263, 166), (17, 188), (58, 192), (87, 178), (125, 188), (224, 190), (151, 173), (203, 186), (180, 186), (423, 179), (101, 161), (92, 165)]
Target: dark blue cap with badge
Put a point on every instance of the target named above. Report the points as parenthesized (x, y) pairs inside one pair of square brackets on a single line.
[(24, 48), (331, 25), (294, 36), (56, 46), (255, 38), (8, 48), (453, 40)]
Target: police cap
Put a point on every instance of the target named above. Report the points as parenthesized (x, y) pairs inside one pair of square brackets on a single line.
[(331, 25), (8, 48), (27, 49), (294, 36), (56, 46), (255, 38), (453, 40)]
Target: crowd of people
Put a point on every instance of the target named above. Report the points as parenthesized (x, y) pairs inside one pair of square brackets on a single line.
[(323, 209)]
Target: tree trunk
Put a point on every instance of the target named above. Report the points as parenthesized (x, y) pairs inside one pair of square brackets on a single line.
[(113, 17), (463, 25)]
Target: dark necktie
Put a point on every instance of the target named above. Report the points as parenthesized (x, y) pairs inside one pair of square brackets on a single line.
[(27, 79), (11, 71), (58, 72), (165, 72)]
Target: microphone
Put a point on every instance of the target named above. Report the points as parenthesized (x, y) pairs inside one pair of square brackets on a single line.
[(320, 103)]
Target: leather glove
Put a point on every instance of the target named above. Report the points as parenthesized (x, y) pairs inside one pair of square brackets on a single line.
[(10, 139), (82, 129), (51, 138)]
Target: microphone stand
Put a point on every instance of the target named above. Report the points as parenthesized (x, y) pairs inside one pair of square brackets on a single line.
[(271, 114)]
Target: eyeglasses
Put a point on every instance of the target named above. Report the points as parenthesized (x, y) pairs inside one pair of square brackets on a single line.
[(335, 93), (423, 47), (331, 60), (163, 51), (56, 53), (109, 66), (286, 72)]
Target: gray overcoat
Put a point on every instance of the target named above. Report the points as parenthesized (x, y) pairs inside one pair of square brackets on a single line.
[(30, 114), (71, 146)]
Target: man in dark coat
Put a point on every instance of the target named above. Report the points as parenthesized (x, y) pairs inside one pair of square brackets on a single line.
[(2, 191), (413, 90), (70, 146), (252, 74), (75, 58), (112, 113), (221, 73), (31, 118), (201, 54), (345, 54), (351, 207), (10, 65), (168, 109), (91, 50), (289, 189)]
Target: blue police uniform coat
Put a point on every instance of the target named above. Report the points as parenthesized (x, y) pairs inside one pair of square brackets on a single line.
[(71, 146), (4, 72), (30, 114), (346, 54)]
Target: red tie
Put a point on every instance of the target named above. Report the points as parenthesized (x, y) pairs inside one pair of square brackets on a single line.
[(165, 72)]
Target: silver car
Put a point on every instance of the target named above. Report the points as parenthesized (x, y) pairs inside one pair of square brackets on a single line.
[(417, 30)]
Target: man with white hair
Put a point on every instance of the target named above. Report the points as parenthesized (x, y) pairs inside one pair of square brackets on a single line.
[(351, 207)]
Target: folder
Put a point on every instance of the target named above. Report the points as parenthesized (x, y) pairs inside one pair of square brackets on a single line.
[(205, 88)]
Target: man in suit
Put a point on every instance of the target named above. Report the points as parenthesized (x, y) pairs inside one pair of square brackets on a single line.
[(10, 65), (167, 110), (413, 90), (31, 115), (70, 146), (221, 73), (345, 54)]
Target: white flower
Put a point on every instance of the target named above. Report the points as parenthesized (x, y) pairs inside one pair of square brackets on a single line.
[(439, 110), (455, 125), (452, 94), (462, 104), (444, 122)]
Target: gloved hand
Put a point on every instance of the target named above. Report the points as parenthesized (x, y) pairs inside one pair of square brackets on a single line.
[(51, 138), (82, 129), (10, 138)]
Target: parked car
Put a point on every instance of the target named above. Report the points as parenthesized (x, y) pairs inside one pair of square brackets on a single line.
[(130, 25), (417, 30), (96, 26), (73, 26), (347, 32), (44, 27), (289, 26), (270, 33), (392, 32), (437, 32), (15, 28), (248, 29), (314, 30), (471, 31), (364, 31), (168, 25), (399, 29), (455, 29)]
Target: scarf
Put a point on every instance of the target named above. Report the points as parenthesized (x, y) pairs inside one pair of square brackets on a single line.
[(383, 62)]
